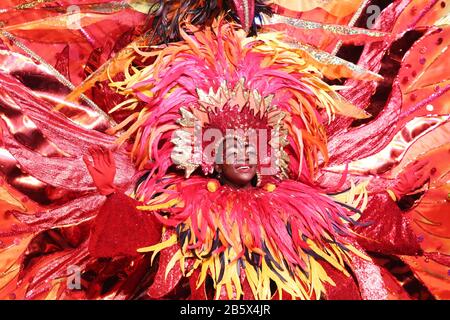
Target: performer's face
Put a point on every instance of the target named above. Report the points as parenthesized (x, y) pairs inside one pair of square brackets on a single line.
[(239, 167)]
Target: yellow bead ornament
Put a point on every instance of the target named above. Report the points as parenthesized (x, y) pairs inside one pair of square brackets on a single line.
[(270, 187), (212, 185)]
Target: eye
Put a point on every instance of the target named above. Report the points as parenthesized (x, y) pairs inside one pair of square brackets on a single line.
[(251, 153), (251, 150), (232, 151)]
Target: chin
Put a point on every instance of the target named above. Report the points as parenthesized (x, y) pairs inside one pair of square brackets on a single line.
[(244, 180)]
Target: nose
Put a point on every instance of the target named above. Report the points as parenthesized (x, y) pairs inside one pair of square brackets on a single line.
[(245, 10)]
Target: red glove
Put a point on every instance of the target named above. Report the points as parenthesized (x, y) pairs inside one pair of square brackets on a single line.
[(119, 228), (103, 170), (412, 178)]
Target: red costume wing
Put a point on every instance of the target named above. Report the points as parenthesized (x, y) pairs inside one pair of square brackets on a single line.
[(410, 116), (76, 37), (412, 124), (42, 164)]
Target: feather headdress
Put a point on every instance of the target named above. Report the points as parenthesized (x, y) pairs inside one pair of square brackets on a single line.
[(196, 78)]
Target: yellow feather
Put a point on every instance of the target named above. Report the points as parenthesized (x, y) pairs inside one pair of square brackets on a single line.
[(168, 204), (203, 272), (328, 258), (159, 246), (253, 280), (176, 257), (357, 252)]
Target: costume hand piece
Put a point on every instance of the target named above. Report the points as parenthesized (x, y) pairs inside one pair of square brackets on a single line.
[(102, 170), (411, 179)]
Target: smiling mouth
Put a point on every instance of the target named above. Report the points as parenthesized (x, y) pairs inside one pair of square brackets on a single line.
[(243, 168)]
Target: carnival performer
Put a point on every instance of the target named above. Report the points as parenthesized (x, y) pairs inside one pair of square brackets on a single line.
[(222, 156)]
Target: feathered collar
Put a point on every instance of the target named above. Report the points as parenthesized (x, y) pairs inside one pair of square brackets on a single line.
[(278, 233)]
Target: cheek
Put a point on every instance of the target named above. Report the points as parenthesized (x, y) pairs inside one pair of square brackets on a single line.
[(252, 174), (230, 172)]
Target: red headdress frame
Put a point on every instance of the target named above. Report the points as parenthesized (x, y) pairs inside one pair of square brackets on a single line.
[(237, 110)]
